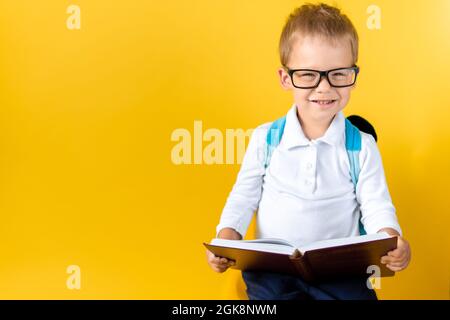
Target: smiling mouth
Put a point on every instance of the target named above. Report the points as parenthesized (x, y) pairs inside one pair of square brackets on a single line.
[(323, 102)]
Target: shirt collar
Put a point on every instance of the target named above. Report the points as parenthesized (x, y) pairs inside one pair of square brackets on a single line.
[(294, 136)]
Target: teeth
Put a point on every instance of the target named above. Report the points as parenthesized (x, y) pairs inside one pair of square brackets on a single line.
[(323, 101)]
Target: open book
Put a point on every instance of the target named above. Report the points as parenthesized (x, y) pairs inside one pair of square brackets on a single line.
[(315, 261)]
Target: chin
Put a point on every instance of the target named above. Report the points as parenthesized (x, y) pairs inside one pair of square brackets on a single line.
[(319, 113)]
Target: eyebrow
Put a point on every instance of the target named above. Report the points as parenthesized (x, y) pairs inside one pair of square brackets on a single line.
[(316, 69)]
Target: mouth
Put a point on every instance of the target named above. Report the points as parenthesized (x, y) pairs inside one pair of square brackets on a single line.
[(324, 102)]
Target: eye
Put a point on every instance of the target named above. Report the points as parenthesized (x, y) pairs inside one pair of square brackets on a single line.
[(307, 75)]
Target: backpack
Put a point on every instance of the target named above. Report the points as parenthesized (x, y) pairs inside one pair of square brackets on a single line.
[(352, 145)]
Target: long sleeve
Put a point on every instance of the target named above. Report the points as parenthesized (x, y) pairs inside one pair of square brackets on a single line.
[(245, 195), (372, 191)]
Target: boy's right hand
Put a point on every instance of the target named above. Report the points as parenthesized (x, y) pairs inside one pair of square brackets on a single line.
[(218, 264), (221, 264)]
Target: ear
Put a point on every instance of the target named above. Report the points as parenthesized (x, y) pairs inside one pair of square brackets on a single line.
[(285, 79)]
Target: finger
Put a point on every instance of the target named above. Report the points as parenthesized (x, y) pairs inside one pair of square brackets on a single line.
[(386, 259), (211, 256), (217, 263), (228, 264), (395, 269), (396, 264), (394, 253), (219, 259), (223, 267), (215, 260), (225, 261), (397, 253), (393, 260), (219, 270)]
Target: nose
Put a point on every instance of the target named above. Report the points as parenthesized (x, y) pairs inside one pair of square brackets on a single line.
[(324, 85)]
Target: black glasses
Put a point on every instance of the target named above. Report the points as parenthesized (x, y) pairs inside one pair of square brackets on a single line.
[(309, 79)]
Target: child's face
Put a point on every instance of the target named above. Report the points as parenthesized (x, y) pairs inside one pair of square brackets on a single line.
[(320, 54)]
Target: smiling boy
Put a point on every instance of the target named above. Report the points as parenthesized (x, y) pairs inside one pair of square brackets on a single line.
[(306, 194)]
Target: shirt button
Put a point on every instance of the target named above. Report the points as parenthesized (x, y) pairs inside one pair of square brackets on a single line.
[(307, 182), (309, 166)]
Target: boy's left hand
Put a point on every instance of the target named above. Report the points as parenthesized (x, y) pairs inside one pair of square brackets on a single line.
[(398, 259)]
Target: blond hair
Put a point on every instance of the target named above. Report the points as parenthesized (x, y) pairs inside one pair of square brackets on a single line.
[(317, 20)]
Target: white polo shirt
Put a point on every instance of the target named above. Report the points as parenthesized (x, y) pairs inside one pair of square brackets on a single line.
[(306, 194)]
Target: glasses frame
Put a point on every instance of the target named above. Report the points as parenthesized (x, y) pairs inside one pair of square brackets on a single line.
[(323, 74)]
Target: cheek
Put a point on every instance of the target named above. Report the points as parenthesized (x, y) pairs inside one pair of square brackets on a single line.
[(344, 95), (301, 94)]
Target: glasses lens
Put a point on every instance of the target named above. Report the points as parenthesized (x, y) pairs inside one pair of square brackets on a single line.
[(305, 78), (342, 77)]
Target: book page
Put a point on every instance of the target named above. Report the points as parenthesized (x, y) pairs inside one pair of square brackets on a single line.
[(270, 240), (266, 245), (343, 241)]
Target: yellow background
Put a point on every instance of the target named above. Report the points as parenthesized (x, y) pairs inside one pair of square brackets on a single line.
[(86, 116)]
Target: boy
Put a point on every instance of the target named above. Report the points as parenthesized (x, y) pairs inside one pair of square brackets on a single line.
[(306, 193)]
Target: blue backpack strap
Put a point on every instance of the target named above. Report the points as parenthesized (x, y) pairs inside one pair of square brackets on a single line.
[(353, 147), (273, 138)]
